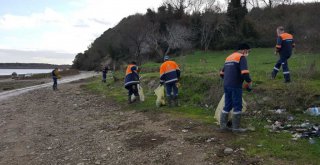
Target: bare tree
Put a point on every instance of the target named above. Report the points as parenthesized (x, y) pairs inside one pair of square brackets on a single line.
[(273, 3), (199, 6), (212, 24), (178, 37), (134, 36), (254, 3), (179, 5)]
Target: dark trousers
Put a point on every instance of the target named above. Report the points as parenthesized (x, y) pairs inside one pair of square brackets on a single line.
[(283, 61), (104, 76), (55, 83), (132, 89), (233, 99), (171, 87)]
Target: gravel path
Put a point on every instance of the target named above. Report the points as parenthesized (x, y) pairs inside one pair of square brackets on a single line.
[(73, 126)]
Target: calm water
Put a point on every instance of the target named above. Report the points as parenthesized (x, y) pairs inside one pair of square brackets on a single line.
[(23, 71)]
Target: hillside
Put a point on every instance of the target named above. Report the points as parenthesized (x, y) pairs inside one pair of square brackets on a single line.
[(201, 90), (178, 30)]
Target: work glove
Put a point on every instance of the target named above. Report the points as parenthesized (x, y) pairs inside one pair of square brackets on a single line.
[(178, 84), (248, 86), (161, 82)]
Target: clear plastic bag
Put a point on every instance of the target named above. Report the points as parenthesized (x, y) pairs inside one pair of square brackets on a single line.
[(220, 108), (159, 92)]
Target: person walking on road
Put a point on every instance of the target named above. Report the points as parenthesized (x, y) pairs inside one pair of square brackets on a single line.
[(285, 44), (132, 81), (234, 73), (55, 76), (170, 75)]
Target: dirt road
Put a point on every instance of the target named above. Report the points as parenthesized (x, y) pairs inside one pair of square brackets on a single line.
[(73, 126), (7, 94)]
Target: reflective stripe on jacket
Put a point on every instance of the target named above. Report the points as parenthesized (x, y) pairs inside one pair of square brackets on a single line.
[(132, 76), (169, 72), (235, 70), (285, 43)]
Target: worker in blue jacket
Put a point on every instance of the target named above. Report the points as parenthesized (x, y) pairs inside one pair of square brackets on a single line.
[(234, 73), (132, 81), (285, 44), (55, 76)]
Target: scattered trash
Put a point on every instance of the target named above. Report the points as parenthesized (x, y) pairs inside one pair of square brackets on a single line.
[(311, 141), (303, 130), (278, 111), (314, 111), (290, 118), (184, 130), (259, 145), (210, 140), (228, 151), (251, 128)]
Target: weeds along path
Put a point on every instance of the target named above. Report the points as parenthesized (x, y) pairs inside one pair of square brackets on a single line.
[(74, 126)]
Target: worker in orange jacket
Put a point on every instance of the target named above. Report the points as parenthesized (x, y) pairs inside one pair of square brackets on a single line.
[(285, 44), (170, 75), (132, 81)]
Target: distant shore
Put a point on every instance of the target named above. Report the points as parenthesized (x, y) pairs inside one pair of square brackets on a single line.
[(32, 66)]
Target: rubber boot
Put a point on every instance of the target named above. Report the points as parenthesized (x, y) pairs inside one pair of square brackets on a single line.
[(129, 99), (287, 78), (223, 122), (176, 101), (273, 74), (236, 124), (54, 87), (169, 101)]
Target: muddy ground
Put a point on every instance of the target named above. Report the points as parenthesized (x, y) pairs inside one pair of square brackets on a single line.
[(76, 127)]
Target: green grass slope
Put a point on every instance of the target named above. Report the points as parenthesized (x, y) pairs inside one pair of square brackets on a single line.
[(201, 90)]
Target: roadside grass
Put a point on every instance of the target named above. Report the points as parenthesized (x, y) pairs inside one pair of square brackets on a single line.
[(117, 92), (201, 90)]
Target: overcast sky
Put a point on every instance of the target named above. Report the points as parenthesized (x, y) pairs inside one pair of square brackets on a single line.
[(53, 31)]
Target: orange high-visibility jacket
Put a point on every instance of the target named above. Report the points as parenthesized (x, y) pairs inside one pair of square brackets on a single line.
[(132, 76), (169, 72), (235, 70)]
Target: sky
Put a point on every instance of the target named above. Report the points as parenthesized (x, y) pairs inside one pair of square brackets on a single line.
[(54, 31)]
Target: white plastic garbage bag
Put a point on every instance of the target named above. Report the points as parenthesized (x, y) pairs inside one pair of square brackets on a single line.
[(141, 94), (140, 91), (220, 108), (159, 92)]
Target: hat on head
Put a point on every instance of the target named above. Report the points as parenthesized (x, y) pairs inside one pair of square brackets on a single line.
[(166, 57), (243, 46)]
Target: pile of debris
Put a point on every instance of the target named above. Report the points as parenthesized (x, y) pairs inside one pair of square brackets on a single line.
[(303, 130)]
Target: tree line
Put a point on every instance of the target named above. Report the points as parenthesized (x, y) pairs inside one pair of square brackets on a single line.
[(179, 26)]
